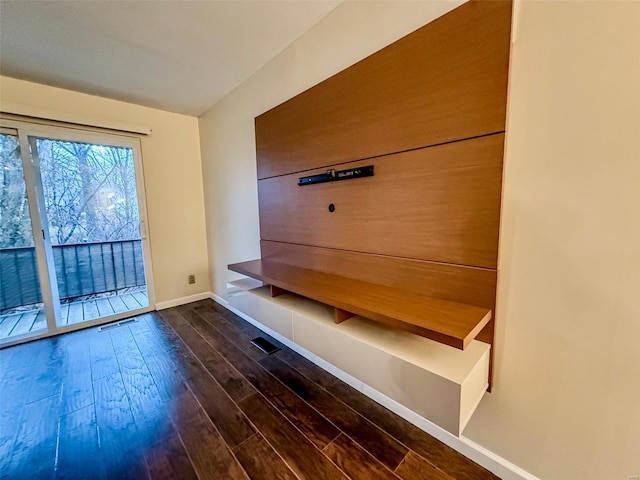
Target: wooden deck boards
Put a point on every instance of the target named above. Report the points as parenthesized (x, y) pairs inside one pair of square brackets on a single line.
[(72, 313)]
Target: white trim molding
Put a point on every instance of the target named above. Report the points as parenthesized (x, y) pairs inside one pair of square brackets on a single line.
[(75, 119), (486, 458), (183, 300)]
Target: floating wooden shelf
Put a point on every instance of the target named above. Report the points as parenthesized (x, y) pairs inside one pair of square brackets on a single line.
[(451, 323)]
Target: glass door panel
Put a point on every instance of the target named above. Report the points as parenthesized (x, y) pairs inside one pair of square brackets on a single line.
[(21, 305), (93, 220)]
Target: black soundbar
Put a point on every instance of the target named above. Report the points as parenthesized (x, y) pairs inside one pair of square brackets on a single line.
[(334, 176)]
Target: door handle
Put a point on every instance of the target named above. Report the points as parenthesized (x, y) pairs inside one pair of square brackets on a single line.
[(142, 228)]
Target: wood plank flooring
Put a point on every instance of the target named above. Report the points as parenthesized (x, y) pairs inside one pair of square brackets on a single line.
[(181, 394), (71, 313)]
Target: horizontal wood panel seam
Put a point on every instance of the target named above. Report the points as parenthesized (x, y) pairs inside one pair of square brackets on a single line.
[(390, 257), (373, 157)]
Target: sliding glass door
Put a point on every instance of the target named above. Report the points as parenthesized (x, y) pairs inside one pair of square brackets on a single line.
[(92, 263)]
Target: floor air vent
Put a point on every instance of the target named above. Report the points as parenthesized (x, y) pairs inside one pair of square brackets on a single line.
[(117, 324), (264, 345)]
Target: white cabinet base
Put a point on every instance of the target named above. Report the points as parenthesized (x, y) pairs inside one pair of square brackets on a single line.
[(440, 383)]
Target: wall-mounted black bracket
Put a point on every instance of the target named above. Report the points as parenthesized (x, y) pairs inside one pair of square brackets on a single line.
[(334, 176)]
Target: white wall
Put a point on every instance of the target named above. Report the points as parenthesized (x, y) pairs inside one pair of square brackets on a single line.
[(566, 400), (173, 179)]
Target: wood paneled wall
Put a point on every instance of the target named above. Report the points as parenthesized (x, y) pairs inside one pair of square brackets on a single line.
[(428, 112), (474, 286), (440, 204), (444, 82)]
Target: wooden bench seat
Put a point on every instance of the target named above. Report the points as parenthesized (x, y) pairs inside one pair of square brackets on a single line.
[(452, 323)]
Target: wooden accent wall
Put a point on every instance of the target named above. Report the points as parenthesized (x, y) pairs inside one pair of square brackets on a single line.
[(440, 203), (429, 113), (473, 286), (444, 82)]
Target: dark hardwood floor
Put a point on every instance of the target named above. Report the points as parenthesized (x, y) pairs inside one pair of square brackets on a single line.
[(181, 394)]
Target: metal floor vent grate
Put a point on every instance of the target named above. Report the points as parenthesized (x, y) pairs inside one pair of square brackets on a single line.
[(264, 345), (117, 324)]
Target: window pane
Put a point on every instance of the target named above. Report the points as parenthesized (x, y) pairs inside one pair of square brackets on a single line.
[(21, 308), (15, 223), (91, 201), (89, 191)]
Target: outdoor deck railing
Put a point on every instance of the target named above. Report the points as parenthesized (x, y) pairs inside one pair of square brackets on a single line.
[(81, 269)]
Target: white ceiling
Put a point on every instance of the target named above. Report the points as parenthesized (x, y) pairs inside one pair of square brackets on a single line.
[(181, 56)]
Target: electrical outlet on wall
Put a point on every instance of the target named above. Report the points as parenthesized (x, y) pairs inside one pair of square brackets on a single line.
[(192, 279)]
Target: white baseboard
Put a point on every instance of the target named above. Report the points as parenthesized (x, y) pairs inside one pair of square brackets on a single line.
[(511, 471), (181, 301), (220, 300), (479, 454)]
